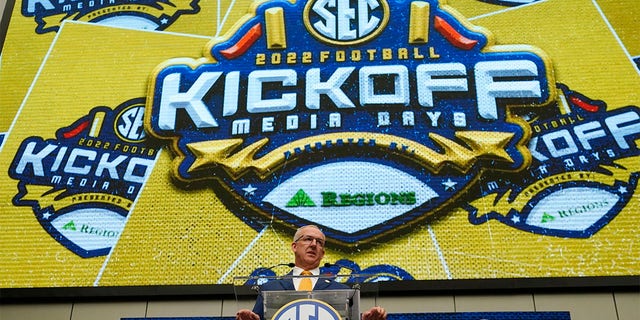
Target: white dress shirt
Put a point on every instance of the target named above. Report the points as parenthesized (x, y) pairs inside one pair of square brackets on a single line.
[(297, 271)]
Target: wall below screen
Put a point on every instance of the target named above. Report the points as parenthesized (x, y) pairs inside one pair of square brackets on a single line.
[(582, 306)]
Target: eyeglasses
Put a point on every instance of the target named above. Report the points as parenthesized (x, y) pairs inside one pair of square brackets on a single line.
[(309, 239)]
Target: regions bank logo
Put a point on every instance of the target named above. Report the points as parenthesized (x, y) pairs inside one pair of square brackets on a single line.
[(364, 117), (138, 14), (82, 184)]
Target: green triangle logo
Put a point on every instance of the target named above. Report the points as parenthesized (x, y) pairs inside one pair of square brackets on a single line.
[(69, 226), (300, 199), (547, 218)]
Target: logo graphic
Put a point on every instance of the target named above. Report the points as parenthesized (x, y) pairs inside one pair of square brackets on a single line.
[(307, 309), (140, 14), (344, 271), (82, 184), (585, 169), (325, 112), (342, 24)]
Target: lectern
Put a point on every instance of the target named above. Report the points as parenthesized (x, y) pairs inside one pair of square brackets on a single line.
[(346, 302)]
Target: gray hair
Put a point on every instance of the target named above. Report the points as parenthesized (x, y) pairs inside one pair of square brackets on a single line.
[(298, 233)]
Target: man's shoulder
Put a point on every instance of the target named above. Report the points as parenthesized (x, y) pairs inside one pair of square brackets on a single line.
[(276, 284)]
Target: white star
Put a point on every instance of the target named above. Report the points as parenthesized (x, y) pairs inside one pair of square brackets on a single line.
[(164, 21), (622, 189), (249, 190), (449, 185), (515, 218), (46, 215)]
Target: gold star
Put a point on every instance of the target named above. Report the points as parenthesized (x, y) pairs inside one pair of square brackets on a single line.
[(211, 153)]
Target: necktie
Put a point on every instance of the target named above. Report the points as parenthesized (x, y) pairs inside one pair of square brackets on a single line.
[(305, 283)]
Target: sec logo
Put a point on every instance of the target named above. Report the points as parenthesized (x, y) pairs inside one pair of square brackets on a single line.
[(345, 22), (306, 309), (128, 125)]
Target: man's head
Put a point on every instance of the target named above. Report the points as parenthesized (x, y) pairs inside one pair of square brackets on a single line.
[(308, 247)]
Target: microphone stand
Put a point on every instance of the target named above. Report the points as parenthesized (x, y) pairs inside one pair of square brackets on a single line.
[(259, 272)]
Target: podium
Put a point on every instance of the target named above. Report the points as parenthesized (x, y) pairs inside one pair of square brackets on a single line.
[(345, 303)]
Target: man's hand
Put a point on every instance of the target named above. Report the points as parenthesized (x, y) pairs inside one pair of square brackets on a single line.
[(245, 314), (375, 313)]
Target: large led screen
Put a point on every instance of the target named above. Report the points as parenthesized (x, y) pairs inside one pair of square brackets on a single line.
[(159, 143)]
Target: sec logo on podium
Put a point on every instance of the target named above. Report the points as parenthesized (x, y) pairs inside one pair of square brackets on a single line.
[(306, 309)]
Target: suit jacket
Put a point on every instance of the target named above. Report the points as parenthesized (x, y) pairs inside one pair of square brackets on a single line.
[(287, 284)]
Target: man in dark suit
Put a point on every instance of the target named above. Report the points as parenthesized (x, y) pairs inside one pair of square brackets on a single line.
[(308, 248)]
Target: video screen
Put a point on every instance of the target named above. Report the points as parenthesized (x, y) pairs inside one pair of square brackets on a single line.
[(159, 143)]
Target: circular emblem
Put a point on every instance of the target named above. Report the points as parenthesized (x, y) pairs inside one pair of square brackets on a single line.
[(306, 309), (346, 22), (128, 124)]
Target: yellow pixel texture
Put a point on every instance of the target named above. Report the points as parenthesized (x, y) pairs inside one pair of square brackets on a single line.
[(180, 235)]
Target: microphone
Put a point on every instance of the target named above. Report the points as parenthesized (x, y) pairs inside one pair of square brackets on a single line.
[(290, 265), (265, 272), (356, 285), (329, 265), (354, 271)]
